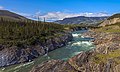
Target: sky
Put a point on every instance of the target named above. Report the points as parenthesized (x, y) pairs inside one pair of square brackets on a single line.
[(59, 9)]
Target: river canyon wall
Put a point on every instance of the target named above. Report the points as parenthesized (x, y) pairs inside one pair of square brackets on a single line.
[(15, 55)]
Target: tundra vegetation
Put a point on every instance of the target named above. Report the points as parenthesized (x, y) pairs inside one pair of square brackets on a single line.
[(27, 32)]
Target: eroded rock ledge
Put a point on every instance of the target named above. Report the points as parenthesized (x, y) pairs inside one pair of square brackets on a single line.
[(105, 58), (15, 55)]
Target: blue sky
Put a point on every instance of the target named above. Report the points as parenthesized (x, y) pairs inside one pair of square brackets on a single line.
[(64, 8)]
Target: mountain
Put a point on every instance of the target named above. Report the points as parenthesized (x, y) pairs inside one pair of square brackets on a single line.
[(7, 15), (111, 20), (81, 20)]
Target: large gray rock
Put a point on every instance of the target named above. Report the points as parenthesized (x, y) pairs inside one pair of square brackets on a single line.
[(54, 66)]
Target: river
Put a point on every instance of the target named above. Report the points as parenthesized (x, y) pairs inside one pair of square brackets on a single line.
[(73, 48)]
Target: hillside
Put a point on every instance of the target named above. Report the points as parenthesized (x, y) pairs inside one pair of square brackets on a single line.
[(114, 16), (22, 40), (16, 29), (111, 20), (14, 33), (81, 20), (7, 15)]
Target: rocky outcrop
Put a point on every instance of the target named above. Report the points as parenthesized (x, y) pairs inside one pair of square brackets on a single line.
[(15, 55), (111, 21), (105, 41), (104, 58), (54, 66)]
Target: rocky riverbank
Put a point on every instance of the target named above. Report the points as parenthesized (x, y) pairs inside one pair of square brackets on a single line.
[(15, 55), (104, 58)]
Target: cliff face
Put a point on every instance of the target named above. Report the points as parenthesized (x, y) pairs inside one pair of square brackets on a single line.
[(15, 55), (104, 58)]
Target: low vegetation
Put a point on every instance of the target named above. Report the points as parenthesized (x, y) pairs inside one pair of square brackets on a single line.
[(103, 58), (27, 32), (115, 28)]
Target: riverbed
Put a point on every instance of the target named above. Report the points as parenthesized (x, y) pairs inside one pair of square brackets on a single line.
[(78, 44)]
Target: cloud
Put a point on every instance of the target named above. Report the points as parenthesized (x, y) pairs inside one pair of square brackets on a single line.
[(1, 7), (27, 15), (52, 16), (24, 14)]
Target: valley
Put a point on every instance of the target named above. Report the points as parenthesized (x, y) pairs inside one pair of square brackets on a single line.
[(73, 48), (104, 58), (34, 46)]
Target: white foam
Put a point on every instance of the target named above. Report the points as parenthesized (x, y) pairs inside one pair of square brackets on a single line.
[(82, 43), (3, 69), (87, 43), (77, 43), (82, 37), (76, 35), (48, 57), (77, 53), (22, 65)]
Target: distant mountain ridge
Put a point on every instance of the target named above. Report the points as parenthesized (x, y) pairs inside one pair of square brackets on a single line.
[(82, 19)]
